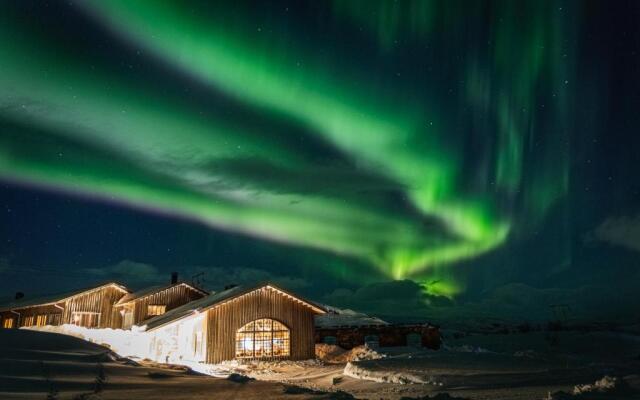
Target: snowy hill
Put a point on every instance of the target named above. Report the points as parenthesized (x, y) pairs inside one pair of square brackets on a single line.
[(336, 317)]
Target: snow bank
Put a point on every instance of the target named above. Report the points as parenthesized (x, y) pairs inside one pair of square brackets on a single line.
[(263, 370), (379, 372), (354, 370), (126, 343), (604, 387), (606, 384), (331, 353), (137, 345), (365, 353)]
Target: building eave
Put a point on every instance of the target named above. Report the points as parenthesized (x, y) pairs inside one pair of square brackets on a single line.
[(66, 298), (129, 302), (315, 308)]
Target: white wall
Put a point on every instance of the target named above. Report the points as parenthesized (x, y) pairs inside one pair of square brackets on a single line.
[(180, 341)]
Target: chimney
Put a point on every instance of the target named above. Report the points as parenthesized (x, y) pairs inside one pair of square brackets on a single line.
[(19, 295), (174, 278)]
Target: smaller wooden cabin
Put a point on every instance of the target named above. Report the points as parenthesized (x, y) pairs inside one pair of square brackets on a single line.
[(91, 308), (153, 301), (259, 322)]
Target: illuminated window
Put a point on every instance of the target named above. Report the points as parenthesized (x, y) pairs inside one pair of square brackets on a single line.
[(8, 323), (263, 338), (156, 310), (86, 319), (28, 321), (41, 320)]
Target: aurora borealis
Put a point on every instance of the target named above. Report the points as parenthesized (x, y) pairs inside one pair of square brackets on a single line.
[(406, 138)]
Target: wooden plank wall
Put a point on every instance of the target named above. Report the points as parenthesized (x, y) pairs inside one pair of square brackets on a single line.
[(52, 312), (172, 297), (223, 321), (100, 301)]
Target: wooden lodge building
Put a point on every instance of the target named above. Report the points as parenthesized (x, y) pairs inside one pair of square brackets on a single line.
[(105, 306), (262, 321), (184, 322), (139, 306), (92, 308)]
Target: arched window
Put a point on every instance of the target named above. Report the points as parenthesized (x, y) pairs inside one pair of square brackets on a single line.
[(263, 338)]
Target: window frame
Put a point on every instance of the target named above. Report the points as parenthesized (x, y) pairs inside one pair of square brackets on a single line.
[(80, 315), (28, 321), (158, 307), (262, 338)]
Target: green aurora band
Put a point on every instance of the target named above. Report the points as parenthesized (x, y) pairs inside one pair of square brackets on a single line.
[(460, 180)]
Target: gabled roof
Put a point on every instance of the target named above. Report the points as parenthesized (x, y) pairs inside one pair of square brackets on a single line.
[(46, 300), (140, 294), (216, 299)]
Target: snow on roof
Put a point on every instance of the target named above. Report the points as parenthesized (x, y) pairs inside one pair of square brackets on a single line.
[(153, 290), (336, 317), (54, 298), (215, 299)]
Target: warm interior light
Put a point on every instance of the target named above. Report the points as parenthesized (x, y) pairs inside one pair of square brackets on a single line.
[(263, 338)]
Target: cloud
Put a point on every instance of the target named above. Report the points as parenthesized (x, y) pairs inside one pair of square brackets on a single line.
[(514, 302), (403, 298), (130, 272), (259, 174), (216, 278), (621, 231)]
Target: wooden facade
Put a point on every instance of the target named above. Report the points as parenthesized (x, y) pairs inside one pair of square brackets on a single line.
[(99, 302), (258, 322), (223, 321), (136, 310), (92, 307), (33, 316), (207, 329)]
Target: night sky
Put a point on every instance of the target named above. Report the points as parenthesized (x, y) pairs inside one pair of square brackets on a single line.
[(413, 159)]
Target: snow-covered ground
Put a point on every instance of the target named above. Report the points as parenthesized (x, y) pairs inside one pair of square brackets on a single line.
[(532, 365), (38, 365), (126, 343), (517, 366), (523, 365)]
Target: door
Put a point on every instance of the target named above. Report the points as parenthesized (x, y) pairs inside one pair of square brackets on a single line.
[(127, 320)]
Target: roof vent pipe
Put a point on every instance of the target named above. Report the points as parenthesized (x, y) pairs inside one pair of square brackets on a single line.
[(174, 278)]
